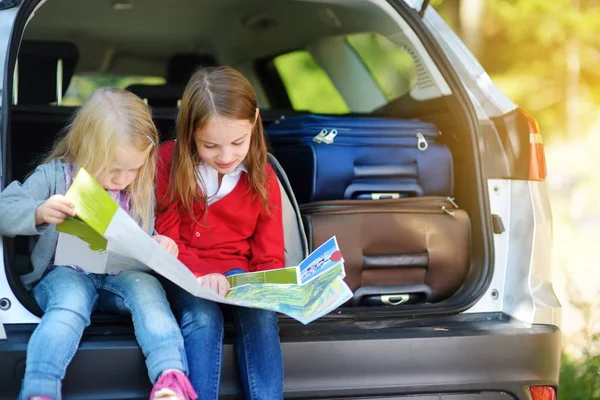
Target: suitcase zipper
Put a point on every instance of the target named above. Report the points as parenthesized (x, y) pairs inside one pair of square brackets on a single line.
[(425, 201), (428, 205), (422, 144), (328, 137), (320, 136)]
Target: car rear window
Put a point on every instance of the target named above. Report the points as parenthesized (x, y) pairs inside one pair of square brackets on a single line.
[(308, 86), (391, 65), (83, 85)]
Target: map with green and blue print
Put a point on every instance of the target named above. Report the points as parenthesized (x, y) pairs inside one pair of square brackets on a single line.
[(304, 292)]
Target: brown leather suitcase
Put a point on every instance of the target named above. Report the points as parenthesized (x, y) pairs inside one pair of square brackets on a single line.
[(396, 251)]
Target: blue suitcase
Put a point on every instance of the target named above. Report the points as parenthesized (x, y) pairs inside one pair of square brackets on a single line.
[(347, 157)]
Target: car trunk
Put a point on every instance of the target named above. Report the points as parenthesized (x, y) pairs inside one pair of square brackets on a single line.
[(35, 120)]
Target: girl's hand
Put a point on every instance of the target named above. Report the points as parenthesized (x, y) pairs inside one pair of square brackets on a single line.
[(168, 244), (216, 282), (54, 210)]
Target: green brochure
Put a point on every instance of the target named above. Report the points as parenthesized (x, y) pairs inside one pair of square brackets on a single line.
[(93, 204)]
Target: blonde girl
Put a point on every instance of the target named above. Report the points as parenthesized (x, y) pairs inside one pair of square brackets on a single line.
[(114, 138)]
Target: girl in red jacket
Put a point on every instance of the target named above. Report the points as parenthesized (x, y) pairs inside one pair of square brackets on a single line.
[(220, 202)]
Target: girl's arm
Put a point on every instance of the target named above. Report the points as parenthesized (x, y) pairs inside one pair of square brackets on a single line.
[(19, 202), (268, 248)]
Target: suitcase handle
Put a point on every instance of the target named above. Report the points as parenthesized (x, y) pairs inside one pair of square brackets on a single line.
[(395, 299), (380, 196), (386, 171), (382, 190), (391, 295)]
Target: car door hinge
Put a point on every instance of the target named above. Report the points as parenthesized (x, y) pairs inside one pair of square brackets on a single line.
[(497, 224), (423, 8)]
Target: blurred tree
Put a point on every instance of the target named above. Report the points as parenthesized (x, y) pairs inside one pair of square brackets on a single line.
[(542, 54)]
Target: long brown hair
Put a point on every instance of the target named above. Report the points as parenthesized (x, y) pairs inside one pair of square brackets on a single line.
[(108, 117), (214, 92)]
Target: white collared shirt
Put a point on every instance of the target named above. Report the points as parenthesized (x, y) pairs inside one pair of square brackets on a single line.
[(210, 181)]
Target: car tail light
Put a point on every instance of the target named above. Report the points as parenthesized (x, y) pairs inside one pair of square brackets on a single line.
[(537, 156), (542, 393)]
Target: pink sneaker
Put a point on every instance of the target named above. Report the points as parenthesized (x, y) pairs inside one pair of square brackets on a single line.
[(173, 385)]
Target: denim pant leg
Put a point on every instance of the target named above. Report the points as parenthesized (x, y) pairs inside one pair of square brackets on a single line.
[(67, 298), (141, 295), (258, 352), (201, 323)]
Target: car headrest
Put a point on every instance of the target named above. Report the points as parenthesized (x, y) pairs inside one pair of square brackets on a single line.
[(158, 95), (38, 70), (181, 66), (179, 70)]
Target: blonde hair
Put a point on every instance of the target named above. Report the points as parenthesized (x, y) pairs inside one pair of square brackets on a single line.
[(214, 92), (107, 119)]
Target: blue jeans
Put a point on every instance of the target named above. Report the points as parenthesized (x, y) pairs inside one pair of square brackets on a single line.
[(257, 347), (68, 298)]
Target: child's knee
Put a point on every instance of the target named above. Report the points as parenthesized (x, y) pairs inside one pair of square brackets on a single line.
[(60, 283), (75, 298), (257, 319), (73, 310), (201, 314)]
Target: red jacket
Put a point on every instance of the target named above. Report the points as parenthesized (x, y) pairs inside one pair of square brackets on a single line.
[(236, 232)]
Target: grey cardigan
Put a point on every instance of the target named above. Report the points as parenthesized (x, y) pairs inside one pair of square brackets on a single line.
[(18, 203)]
